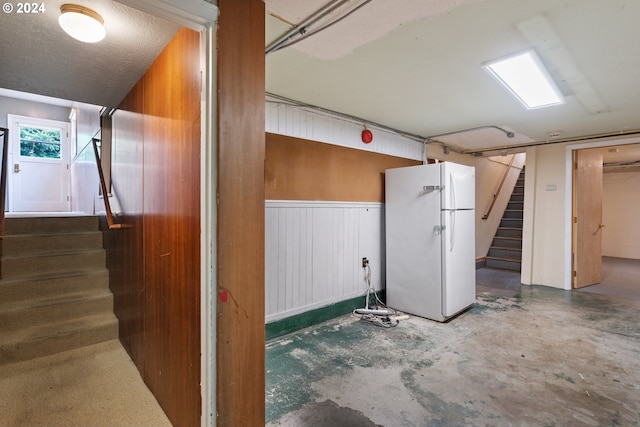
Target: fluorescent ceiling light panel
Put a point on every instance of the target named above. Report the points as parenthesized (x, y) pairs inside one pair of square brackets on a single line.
[(543, 38), (526, 78)]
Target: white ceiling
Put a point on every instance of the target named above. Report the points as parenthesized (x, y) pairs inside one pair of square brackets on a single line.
[(36, 56), (415, 65), (412, 65)]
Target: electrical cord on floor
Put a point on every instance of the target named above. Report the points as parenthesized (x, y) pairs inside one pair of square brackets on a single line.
[(382, 320)]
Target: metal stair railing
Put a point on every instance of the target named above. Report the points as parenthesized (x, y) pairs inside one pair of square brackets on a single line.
[(3, 178), (500, 184)]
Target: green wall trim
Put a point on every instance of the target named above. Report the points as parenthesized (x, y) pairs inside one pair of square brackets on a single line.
[(296, 322)]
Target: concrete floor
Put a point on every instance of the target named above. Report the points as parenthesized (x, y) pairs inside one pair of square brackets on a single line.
[(620, 278), (93, 386), (535, 356)]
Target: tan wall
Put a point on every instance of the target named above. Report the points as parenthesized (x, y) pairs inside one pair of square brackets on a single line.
[(546, 245), (620, 207)]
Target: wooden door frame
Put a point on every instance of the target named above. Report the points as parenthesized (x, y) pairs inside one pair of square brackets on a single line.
[(569, 185)]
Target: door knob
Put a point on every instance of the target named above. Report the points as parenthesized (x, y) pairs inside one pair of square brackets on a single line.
[(16, 167)]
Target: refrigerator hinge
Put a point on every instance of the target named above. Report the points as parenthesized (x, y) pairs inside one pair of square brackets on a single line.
[(433, 188)]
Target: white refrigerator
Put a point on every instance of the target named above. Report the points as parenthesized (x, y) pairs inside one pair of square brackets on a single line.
[(430, 239)]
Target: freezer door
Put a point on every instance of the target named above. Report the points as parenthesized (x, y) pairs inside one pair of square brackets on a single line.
[(413, 246), (458, 261), (459, 186)]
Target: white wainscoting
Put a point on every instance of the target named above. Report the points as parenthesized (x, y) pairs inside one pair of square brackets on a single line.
[(314, 251), (294, 121)]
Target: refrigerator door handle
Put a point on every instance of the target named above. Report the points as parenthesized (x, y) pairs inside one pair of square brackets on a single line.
[(453, 230), (453, 191)]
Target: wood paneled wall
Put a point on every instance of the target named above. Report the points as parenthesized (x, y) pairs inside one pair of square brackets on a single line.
[(299, 169), (240, 229), (155, 263)]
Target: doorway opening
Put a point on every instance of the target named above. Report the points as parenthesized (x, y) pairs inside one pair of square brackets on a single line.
[(608, 183), (200, 16), (39, 159)]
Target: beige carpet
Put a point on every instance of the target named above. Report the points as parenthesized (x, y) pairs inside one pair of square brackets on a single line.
[(94, 386)]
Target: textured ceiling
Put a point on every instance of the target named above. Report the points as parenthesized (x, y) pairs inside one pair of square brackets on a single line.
[(36, 56), (371, 22), (416, 66), (412, 65)]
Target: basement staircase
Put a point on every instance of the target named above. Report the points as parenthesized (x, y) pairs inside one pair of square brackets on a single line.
[(54, 291), (505, 252)]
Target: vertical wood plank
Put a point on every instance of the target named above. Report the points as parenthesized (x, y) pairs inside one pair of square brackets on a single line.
[(240, 347), (274, 255), (295, 257), (289, 259), (302, 257), (124, 247), (171, 229), (320, 254), (282, 260), (156, 175)]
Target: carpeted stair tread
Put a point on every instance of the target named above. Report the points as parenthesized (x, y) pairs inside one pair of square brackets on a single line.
[(59, 253), (35, 244), (23, 288), (45, 225), (36, 311), (54, 291), (33, 266), (41, 340)]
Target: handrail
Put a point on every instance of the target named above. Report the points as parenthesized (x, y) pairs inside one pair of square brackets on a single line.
[(3, 178), (497, 193), (103, 185)]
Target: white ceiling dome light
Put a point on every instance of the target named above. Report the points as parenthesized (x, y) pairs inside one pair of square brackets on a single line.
[(81, 23)]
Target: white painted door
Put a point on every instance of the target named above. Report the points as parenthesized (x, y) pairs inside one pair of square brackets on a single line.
[(39, 165)]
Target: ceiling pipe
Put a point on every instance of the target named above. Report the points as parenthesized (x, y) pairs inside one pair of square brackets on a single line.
[(284, 100), (419, 138), (424, 140), (508, 133), (301, 28), (583, 138)]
